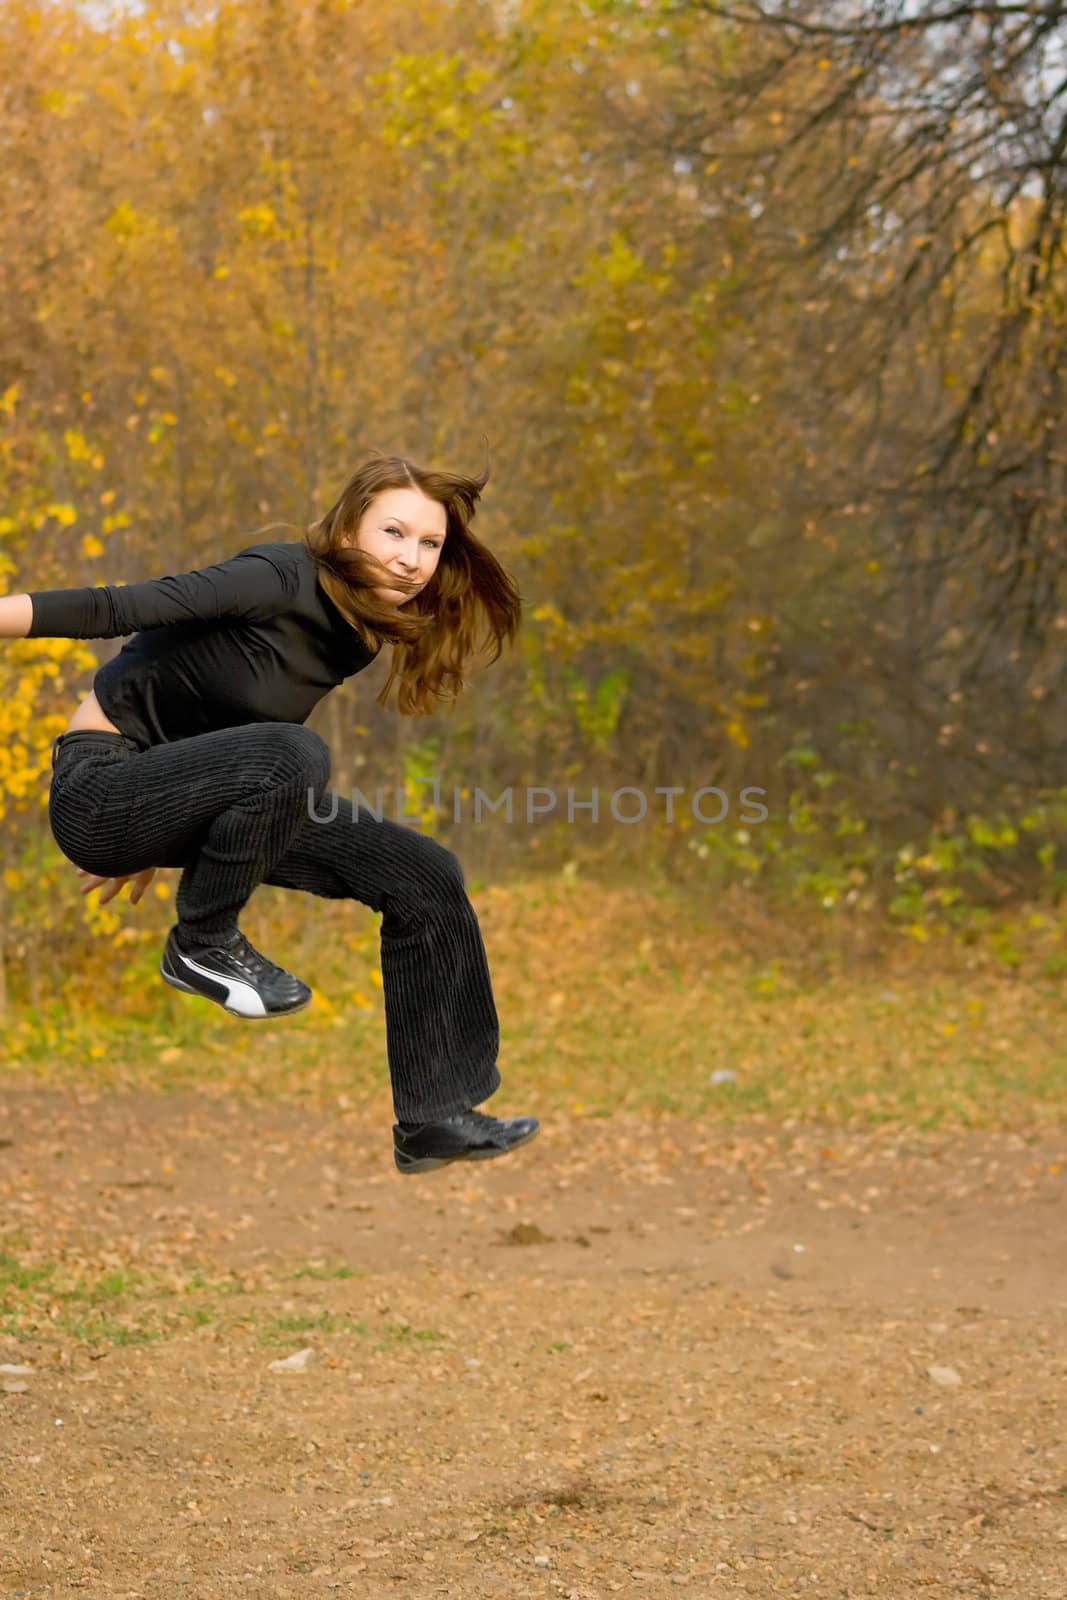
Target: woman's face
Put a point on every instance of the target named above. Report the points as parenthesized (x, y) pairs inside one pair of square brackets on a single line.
[(405, 530)]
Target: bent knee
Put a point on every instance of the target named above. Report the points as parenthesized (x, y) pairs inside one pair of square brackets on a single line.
[(443, 869), (437, 880), (303, 756)]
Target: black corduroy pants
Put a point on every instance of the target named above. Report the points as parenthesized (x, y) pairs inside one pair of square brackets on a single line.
[(250, 805)]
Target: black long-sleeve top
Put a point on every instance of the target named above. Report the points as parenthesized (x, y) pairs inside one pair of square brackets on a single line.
[(252, 639)]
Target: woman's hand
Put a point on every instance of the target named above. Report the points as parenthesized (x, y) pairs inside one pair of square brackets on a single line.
[(140, 881)]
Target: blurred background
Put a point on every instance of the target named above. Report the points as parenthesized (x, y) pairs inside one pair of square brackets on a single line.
[(761, 312)]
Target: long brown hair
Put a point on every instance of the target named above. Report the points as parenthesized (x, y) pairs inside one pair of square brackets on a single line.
[(436, 634)]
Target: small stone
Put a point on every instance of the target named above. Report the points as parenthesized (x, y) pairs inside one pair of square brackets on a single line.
[(722, 1075), (947, 1377), (298, 1362), (542, 1561), (13, 1370)]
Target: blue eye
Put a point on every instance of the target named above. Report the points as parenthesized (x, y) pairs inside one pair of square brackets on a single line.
[(432, 544)]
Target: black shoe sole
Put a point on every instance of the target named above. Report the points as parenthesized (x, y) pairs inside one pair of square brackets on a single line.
[(409, 1165), (176, 983)]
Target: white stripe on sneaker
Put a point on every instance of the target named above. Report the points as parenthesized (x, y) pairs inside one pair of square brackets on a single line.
[(241, 997)]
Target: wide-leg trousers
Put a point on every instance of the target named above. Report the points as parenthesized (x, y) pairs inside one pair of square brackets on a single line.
[(251, 805)]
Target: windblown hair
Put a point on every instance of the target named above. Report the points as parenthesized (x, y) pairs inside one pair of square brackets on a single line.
[(469, 606)]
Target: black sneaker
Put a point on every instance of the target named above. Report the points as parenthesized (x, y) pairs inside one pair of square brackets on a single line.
[(234, 975), (472, 1136)]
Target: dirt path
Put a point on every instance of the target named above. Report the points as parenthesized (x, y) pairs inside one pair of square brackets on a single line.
[(638, 1356)]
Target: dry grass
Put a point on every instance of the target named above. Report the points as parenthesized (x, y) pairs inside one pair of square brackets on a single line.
[(612, 997)]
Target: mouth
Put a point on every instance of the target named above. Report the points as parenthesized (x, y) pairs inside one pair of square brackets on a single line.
[(397, 595)]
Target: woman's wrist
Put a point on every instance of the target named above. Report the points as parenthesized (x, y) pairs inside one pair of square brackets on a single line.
[(16, 616)]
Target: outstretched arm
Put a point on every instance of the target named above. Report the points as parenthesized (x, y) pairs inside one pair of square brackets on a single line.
[(16, 615), (250, 585)]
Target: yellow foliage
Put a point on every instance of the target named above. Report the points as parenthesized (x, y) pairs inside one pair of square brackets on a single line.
[(258, 222), (125, 222), (78, 447), (33, 678)]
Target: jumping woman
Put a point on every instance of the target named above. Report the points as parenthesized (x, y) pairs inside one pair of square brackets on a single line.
[(191, 752)]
